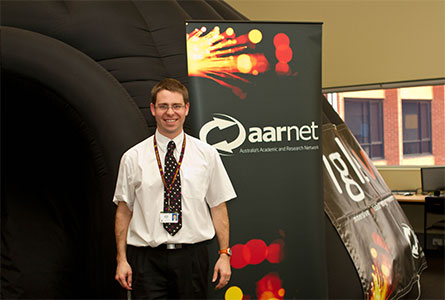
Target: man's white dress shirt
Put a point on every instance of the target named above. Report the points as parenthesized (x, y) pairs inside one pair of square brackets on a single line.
[(204, 184)]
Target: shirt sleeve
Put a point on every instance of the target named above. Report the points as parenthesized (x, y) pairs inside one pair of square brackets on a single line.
[(220, 187), (125, 182)]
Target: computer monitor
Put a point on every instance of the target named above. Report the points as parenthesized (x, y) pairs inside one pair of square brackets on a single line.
[(433, 179)]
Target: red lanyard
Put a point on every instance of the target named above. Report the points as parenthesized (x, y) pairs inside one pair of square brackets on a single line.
[(160, 165)]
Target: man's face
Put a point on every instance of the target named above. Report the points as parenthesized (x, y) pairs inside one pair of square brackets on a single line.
[(170, 121)]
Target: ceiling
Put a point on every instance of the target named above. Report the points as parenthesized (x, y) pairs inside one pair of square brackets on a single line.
[(367, 42)]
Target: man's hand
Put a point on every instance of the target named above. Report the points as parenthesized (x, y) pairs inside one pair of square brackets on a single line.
[(123, 270), (220, 219), (222, 267), (124, 275)]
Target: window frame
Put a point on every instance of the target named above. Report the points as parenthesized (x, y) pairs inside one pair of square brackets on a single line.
[(371, 143), (420, 139)]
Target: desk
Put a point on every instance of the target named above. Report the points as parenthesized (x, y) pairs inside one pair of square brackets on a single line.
[(411, 207), (410, 199)]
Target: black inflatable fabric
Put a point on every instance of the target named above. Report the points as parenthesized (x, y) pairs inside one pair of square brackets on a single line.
[(65, 124), (76, 77)]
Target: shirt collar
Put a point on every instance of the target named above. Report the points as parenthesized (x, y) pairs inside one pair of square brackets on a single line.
[(163, 141)]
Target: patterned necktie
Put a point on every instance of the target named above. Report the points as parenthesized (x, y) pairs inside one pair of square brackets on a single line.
[(174, 205)]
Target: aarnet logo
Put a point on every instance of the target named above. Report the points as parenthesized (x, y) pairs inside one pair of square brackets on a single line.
[(222, 124), (267, 134)]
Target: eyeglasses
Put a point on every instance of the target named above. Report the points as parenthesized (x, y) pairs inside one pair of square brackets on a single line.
[(165, 107)]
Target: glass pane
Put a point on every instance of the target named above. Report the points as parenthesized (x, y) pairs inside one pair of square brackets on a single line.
[(365, 122), (425, 120), (411, 148), (377, 151), (426, 147), (353, 118), (375, 122)]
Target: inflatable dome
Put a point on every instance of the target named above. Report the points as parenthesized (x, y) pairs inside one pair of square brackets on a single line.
[(76, 78)]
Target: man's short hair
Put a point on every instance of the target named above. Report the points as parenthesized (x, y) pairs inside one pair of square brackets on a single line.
[(171, 85)]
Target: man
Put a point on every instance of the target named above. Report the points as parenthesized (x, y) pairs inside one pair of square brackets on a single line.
[(165, 187)]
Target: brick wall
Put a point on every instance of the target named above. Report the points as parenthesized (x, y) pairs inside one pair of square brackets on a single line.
[(438, 124), (392, 127)]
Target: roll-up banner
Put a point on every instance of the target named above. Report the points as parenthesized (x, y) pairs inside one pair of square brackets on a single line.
[(372, 225), (255, 96)]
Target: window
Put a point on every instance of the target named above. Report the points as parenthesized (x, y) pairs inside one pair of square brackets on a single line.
[(364, 119), (416, 126), (412, 115)]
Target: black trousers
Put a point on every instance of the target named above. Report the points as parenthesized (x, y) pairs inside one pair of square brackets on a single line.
[(161, 273)]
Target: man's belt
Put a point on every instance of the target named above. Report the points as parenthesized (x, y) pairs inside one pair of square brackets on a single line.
[(179, 246), (173, 246)]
